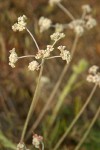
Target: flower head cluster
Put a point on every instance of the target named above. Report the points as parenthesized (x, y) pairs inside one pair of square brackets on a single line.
[(21, 146), (44, 53), (65, 54), (53, 2), (86, 8), (94, 75), (57, 36), (59, 27), (91, 22), (20, 26), (44, 23), (79, 25), (13, 58), (37, 140), (34, 65)]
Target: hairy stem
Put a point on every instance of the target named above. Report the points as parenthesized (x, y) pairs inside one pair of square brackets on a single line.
[(32, 104), (88, 130), (33, 39), (54, 90), (75, 119), (65, 11)]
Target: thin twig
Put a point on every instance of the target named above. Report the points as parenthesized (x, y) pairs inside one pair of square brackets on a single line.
[(88, 130), (26, 56), (65, 11), (32, 104), (75, 119), (33, 39), (53, 57), (65, 69)]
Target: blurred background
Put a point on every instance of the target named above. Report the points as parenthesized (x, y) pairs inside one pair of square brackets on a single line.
[(17, 85)]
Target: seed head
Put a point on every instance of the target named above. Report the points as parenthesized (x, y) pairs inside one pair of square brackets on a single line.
[(21, 24), (13, 58), (44, 24), (34, 65), (37, 139), (86, 8), (57, 36)]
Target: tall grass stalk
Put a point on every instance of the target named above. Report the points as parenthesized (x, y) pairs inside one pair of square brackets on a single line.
[(76, 118), (88, 130)]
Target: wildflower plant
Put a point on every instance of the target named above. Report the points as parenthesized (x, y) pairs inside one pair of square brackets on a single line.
[(79, 26), (42, 55)]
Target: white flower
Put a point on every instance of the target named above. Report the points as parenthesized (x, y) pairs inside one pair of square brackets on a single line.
[(93, 69), (65, 54), (44, 24), (37, 141), (94, 75), (59, 27), (90, 23), (57, 36), (21, 146), (21, 25), (13, 58), (87, 8), (90, 78), (34, 65), (50, 48), (52, 2), (79, 30), (44, 53), (76, 22), (61, 48)]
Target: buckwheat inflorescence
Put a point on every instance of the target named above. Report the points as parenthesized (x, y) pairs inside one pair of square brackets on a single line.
[(44, 23), (94, 75), (37, 140), (65, 54), (21, 24), (34, 65), (13, 58), (57, 36)]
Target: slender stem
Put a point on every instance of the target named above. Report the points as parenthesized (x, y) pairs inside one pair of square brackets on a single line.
[(88, 130), (33, 39), (42, 145), (44, 110), (65, 11), (75, 119), (32, 104), (53, 57), (26, 56)]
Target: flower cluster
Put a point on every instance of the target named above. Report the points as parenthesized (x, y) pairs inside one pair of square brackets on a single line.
[(94, 75), (59, 27), (65, 54), (53, 2), (34, 65), (20, 26), (79, 25), (13, 58), (57, 36), (41, 54), (44, 23), (37, 141), (21, 146), (44, 53)]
